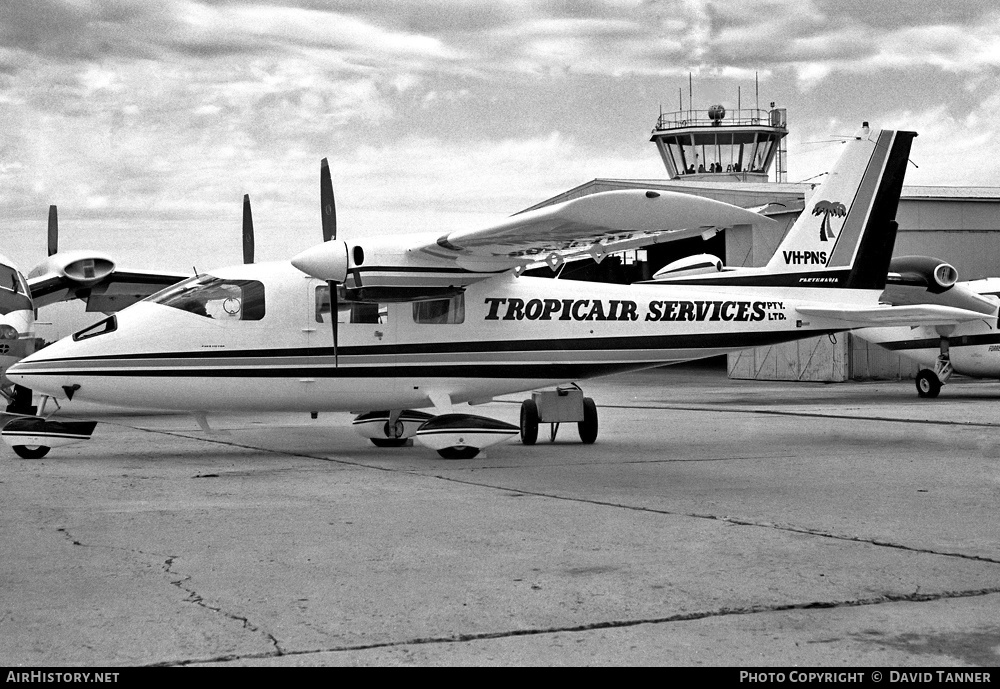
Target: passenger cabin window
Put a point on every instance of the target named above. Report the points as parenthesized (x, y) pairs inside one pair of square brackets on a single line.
[(349, 311), (216, 298), (440, 311)]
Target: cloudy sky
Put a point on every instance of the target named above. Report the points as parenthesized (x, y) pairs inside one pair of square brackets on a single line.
[(147, 120)]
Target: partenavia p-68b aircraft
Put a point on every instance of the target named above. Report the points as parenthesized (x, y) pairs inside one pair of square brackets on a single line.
[(435, 320)]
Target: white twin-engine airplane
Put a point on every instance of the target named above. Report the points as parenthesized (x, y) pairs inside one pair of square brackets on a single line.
[(970, 349), (432, 321)]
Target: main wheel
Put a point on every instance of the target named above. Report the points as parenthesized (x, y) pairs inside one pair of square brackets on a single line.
[(588, 427), (36, 452), (459, 452), (928, 384), (529, 422)]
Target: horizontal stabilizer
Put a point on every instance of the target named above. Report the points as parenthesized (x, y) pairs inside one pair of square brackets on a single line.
[(922, 314)]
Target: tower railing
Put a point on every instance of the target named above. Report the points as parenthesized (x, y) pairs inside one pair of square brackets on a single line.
[(747, 117)]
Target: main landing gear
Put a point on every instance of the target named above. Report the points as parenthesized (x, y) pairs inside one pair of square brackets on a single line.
[(32, 436), (453, 436), (929, 381), (562, 405)]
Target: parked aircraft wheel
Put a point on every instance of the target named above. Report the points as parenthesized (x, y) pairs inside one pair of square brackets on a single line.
[(389, 442), (928, 384), (529, 422), (459, 452), (588, 427), (26, 452)]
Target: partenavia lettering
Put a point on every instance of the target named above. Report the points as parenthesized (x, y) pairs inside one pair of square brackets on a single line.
[(513, 309)]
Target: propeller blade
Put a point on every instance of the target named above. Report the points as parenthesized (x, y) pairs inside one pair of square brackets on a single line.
[(327, 206), (247, 230), (334, 316), (53, 230)]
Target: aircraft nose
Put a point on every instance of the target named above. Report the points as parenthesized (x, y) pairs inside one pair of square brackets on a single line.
[(36, 372)]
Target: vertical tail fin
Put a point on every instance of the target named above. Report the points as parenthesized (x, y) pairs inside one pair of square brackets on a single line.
[(845, 234)]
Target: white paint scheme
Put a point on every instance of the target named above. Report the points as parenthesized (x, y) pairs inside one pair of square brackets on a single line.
[(517, 334)]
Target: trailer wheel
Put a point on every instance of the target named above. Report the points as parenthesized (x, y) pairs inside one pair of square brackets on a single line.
[(588, 427), (529, 422)]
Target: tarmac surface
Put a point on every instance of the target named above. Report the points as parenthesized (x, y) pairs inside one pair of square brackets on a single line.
[(714, 523)]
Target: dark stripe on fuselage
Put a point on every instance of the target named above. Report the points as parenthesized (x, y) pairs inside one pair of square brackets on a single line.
[(817, 278), (935, 342), (595, 344)]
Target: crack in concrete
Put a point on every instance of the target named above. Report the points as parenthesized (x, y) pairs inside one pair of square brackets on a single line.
[(607, 624), (463, 638), (193, 596), (732, 520), (729, 520), (196, 598)]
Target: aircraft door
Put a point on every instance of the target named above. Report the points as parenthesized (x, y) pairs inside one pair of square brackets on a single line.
[(363, 330)]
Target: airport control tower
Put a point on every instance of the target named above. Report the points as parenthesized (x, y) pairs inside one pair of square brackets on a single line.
[(720, 146)]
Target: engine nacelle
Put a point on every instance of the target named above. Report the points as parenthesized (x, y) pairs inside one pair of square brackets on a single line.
[(378, 269), (690, 265), (82, 267), (924, 271)]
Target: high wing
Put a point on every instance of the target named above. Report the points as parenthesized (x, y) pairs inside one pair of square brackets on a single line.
[(91, 276), (413, 267), (112, 291), (592, 225), (923, 314)]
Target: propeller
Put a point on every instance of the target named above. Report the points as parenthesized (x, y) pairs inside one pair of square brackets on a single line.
[(328, 211), (53, 230), (247, 230)]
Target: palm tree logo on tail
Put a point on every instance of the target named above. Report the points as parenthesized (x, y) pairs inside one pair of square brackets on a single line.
[(826, 209)]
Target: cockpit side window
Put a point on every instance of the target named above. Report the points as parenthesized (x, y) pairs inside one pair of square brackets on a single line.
[(108, 325), (216, 298), (13, 291), (10, 280)]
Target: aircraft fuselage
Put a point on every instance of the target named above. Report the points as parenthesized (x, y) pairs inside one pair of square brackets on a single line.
[(501, 335)]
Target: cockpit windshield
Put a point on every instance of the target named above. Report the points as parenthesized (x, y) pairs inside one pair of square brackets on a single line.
[(14, 294), (218, 298), (11, 280)]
